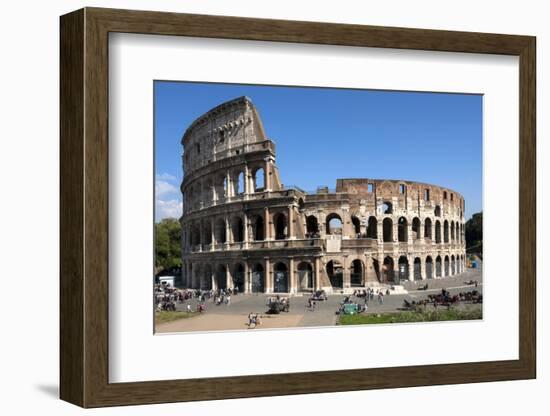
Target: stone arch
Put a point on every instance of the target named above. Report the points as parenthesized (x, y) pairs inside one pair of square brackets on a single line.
[(258, 177), (452, 231), (221, 277), (428, 229), (387, 228), (206, 279), (305, 276), (312, 226), (437, 211), (388, 270), (335, 274), (372, 228), (386, 207), (437, 232), (207, 232), (417, 268), (429, 267), (357, 271), (438, 267), (446, 266), (280, 225), (280, 277), (453, 265), (220, 231), (403, 268), (237, 229), (240, 183), (402, 230), (258, 228), (239, 277), (415, 228), (334, 224), (258, 278), (445, 231)]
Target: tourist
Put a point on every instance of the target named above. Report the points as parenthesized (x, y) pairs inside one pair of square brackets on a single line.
[(189, 308)]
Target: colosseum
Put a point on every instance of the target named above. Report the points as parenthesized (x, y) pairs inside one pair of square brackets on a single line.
[(243, 229)]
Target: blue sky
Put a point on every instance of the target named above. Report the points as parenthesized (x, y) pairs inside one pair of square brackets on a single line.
[(323, 134)]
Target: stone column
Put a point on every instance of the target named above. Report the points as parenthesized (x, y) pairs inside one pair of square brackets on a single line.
[(420, 235), (229, 280), (411, 268), (213, 232), (380, 231), (291, 223), (228, 238), (292, 276), (247, 280), (409, 232), (245, 229), (246, 180), (229, 186), (346, 275), (213, 279), (317, 275), (267, 228), (395, 230), (267, 176), (268, 277)]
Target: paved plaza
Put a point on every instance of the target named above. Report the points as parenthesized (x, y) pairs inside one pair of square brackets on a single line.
[(234, 316)]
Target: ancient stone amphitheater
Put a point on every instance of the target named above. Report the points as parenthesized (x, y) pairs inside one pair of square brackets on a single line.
[(242, 228)]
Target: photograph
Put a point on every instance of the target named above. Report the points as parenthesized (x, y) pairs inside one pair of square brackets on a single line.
[(287, 206)]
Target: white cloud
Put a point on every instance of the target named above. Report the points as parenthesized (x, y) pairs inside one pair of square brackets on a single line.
[(171, 208), (166, 177), (164, 188)]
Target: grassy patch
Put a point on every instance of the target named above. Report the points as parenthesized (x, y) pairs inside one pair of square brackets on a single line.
[(419, 316), (166, 316)]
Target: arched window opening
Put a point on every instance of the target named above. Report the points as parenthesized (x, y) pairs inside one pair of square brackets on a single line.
[(417, 271), (259, 180), (372, 228), (428, 229), (415, 228), (305, 277), (452, 230), (446, 231), (437, 232), (429, 268), (402, 230), (240, 183), (280, 226), (438, 266), (446, 265), (312, 227), (437, 211), (220, 232), (403, 268), (387, 228), (335, 274), (280, 278), (225, 187), (356, 275), (221, 277), (238, 230), (389, 274), (334, 224), (258, 226), (208, 232), (238, 277), (258, 279)]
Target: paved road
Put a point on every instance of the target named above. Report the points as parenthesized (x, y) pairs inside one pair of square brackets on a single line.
[(324, 315)]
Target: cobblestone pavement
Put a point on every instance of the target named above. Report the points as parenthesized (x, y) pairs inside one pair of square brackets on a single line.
[(325, 312)]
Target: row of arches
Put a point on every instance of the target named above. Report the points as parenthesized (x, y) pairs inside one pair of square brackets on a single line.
[(221, 186), (253, 279), (452, 231)]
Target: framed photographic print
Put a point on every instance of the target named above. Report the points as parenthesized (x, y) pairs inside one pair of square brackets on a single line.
[(255, 207)]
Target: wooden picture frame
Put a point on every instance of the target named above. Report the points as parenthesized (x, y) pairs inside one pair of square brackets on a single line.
[(84, 207)]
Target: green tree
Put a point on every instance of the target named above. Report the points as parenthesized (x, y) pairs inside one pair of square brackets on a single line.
[(474, 233), (167, 244)]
